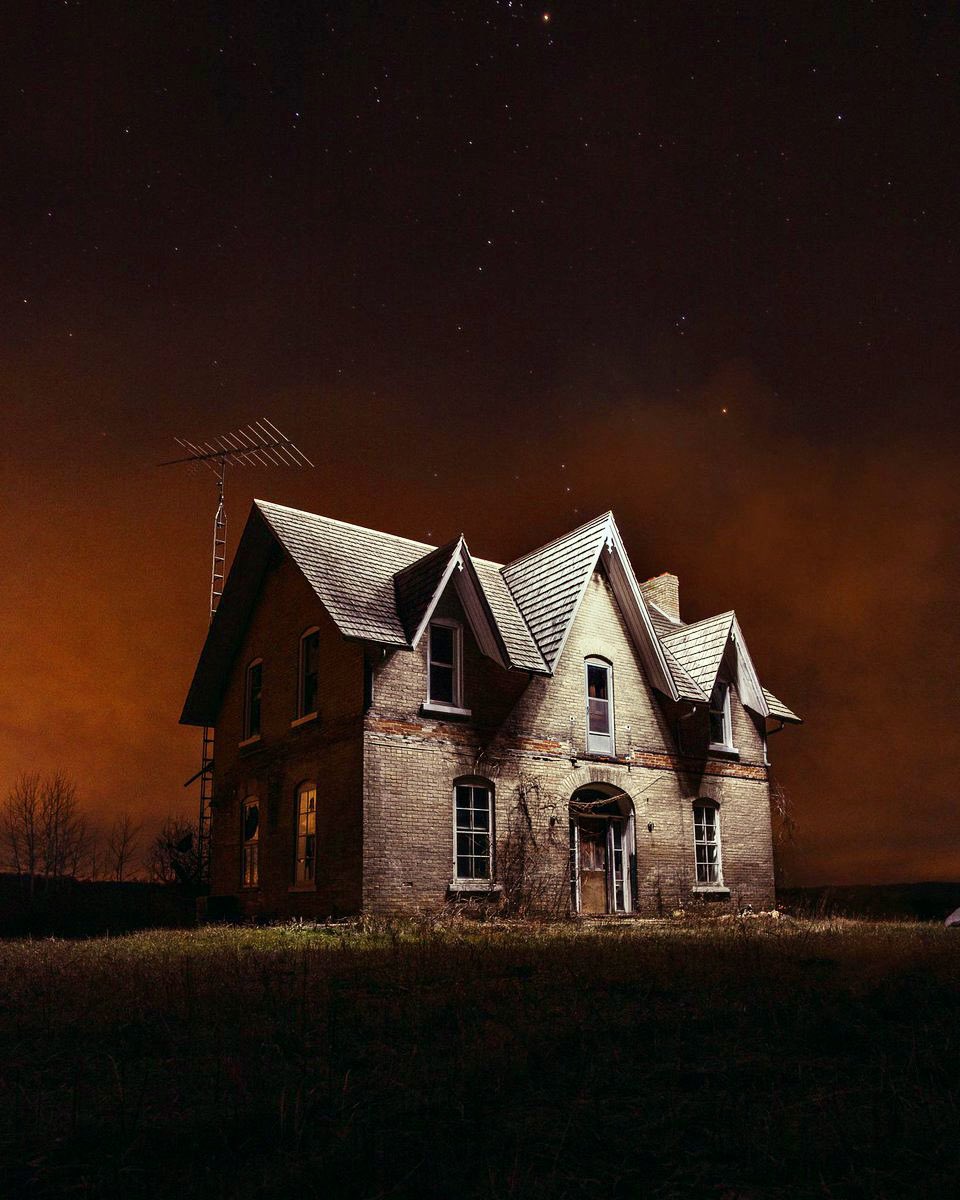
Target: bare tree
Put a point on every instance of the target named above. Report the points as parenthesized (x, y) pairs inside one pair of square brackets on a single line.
[(20, 828), (173, 855), (43, 833), (122, 844)]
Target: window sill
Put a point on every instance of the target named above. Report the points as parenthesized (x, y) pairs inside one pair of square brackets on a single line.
[(474, 887), (710, 889), (444, 710), (302, 887), (727, 751), (304, 720), (250, 741)]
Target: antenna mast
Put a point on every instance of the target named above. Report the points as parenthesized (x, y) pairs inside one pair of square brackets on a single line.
[(260, 444)]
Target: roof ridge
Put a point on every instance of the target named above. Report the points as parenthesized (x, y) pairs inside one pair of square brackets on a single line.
[(303, 512), (666, 616), (731, 613), (556, 541)]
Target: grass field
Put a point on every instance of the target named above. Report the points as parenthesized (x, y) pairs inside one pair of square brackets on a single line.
[(746, 1059)]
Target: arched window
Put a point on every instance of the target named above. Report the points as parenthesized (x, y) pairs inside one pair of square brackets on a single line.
[(250, 834), (472, 831), (706, 840), (599, 688), (252, 696), (309, 674), (305, 864)]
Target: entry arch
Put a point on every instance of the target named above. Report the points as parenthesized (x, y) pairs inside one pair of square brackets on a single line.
[(603, 849)]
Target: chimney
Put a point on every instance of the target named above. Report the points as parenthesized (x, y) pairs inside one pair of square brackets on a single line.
[(664, 592)]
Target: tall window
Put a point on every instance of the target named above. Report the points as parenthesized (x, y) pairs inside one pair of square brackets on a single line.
[(251, 842), (599, 679), (473, 821), (305, 870), (706, 837), (252, 695), (445, 685), (309, 675), (721, 733)]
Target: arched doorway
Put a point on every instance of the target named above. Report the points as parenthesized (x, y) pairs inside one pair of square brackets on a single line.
[(602, 850)]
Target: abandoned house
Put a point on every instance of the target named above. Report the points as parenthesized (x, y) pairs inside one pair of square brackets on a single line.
[(399, 726)]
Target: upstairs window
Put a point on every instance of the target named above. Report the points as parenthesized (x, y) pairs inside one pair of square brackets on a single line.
[(445, 684), (309, 673), (251, 842), (305, 867), (599, 683), (721, 731), (706, 838), (252, 695), (473, 821)]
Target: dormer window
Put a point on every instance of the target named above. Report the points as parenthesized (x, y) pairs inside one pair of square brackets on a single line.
[(599, 684), (252, 695), (309, 673), (721, 728), (445, 665)]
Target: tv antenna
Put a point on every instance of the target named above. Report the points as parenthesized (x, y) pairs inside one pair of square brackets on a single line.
[(258, 445)]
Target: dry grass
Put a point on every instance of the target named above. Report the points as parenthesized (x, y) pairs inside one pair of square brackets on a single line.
[(746, 1060)]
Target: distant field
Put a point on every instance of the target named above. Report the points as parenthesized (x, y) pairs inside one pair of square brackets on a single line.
[(732, 1061)]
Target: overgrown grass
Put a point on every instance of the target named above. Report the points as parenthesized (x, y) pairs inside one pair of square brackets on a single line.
[(746, 1059)]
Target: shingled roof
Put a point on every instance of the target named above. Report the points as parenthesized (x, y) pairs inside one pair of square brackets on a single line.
[(382, 588)]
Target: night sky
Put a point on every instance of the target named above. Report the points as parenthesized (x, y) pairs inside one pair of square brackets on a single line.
[(495, 268)]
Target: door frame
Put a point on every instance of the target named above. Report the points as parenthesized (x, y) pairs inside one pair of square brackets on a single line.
[(625, 824)]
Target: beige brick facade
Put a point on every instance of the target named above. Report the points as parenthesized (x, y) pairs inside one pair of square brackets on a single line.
[(385, 776)]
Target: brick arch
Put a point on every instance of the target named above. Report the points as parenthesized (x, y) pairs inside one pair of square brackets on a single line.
[(594, 773)]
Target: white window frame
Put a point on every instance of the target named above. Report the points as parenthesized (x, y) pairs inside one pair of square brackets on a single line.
[(249, 733), (304, 714), (707, 884), (304, 880), (250, 847), (725, 715), (600, 743), (445, 705), (475, 881)]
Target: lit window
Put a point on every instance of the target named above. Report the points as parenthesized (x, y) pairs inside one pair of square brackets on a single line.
[(252, 696), (306, 864), (309, 655), (251, 842), (445, 655), (706, 837), (599, 707), (473, 818), (721, 733)]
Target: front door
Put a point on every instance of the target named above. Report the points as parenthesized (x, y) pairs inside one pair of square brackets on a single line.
[(593, 865)]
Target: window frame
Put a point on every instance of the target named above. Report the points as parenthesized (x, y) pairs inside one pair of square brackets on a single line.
[(304, 882), (456, 705), (303, 713), (478, 882), (249, 733), (708, 885), (600, 743), (726, 717), (249, 847)]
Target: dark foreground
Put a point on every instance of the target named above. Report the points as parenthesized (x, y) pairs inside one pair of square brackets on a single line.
[(742, 1060)]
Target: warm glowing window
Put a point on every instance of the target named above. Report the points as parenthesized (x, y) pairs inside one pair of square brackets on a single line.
[(305, 870), (599, 684), (251, 842), (706, 837), (252, 695), (445, 685), (721, 733), (473, 831), (309, 673)]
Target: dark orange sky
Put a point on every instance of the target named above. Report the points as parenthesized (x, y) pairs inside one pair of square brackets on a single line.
[(495, 274)]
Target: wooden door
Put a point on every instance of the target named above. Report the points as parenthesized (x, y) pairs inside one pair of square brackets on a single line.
[(593, 865)]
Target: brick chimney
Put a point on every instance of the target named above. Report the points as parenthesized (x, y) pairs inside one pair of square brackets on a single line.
[(664, 591)]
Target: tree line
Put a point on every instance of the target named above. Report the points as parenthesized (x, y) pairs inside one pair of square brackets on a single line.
[(47, 836)]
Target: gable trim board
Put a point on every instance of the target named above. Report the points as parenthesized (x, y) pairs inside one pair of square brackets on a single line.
[(382, 588)]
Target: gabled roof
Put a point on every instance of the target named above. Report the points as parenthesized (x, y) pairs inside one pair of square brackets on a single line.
[(779, 710), (382, 588)]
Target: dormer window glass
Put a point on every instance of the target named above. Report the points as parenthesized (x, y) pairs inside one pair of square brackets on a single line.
[(309, 673), (721, 730), (252, 696), (445, 657), (599, 685)]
